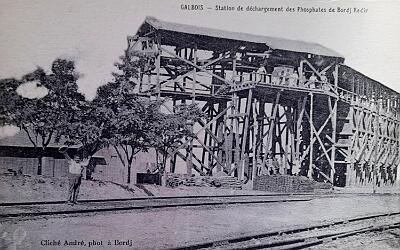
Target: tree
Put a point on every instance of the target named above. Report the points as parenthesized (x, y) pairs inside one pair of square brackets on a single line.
[(131, 116), (132, 126), (170, 129), (43, 118), (8, 98), (89, 129)]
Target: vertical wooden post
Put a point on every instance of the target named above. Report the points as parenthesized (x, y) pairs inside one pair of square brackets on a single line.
[(236, 111), (261, 117), (272, 125), (300, 70), (374, 162), (255, 136), (310, 167), (194, 75), (245, 132), (333, 147), (288, 116), (227, 143), (158, 66), (334, 123), (219, 131), (158, 92), (189, 160)]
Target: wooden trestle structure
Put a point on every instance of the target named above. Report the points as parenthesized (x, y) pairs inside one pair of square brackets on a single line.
[(343, 129)]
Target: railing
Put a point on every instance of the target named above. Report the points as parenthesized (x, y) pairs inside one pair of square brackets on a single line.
[(259, 79), (287, 81), (372, 105), (305, 84)]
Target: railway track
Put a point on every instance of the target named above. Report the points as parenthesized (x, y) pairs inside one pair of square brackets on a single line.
[(4, 204), (53, 208), (155, 198), (305, 237)]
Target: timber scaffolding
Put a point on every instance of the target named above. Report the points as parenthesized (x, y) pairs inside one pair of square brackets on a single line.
[(341, 127)]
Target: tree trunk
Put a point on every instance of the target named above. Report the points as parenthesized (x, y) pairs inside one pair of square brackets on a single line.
[(129, 173), (40, 162), (129, 161), (157, 159), (164, 163)]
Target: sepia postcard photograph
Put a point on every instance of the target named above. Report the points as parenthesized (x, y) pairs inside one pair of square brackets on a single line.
[(199, 124)]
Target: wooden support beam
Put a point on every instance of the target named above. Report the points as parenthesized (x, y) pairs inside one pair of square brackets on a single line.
[(328, 67), (311, 154), (194, 74), (219, 131), (245, 132), (194, 166), (189, 152), (315, 132), (312, 67), (255, 135), (373, 166), (186, 75), (204, 127), (200, 68), (210, 152), (300, 113), (235, 121), (272, 125), (158, 66), (333, 111), (209, 132), (227, 144), (200, 162), (322, 174)]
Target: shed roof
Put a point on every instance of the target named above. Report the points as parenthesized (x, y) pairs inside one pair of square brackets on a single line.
[(272, 42), (21, 139)]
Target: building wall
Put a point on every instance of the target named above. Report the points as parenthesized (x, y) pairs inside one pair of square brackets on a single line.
[(22, 160), (115, 171), (51, 167)]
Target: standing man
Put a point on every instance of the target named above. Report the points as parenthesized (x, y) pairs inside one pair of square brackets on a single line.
[(294, 79), (311, 82), (76, 168), (302, 80), (261, 75), (324, 80)]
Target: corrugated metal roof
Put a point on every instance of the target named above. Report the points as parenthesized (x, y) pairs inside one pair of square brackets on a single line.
[(272, 42)]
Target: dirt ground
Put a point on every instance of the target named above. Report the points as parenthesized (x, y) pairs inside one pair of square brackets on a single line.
[(163, 228), (380, 190), (26, 188), (370, 241), (193, 190)]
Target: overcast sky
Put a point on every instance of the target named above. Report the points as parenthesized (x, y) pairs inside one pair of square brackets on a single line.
[(93, 32)]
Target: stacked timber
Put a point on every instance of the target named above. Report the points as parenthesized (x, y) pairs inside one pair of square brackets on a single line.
[(284, 184), (197, 181), (175, 180), (227, 182)]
